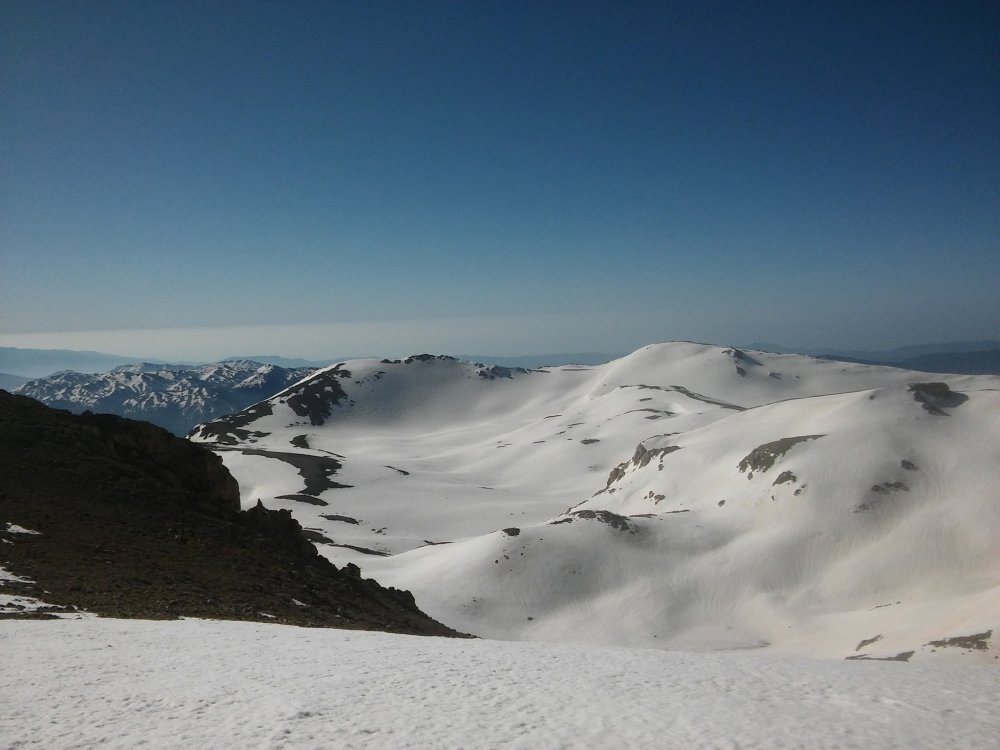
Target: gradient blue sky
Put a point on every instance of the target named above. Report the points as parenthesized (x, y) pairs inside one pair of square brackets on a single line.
[(511, 177)]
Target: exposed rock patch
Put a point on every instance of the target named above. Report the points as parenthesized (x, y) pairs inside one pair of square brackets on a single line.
[(362, 550), (785, 477), (493, 372), (231, 428), (886, 487), (301, 498), (976, 642), (314, 470), (868, 641), (936, 397), (640, 458), (690, 394), (316, 397), (902, 656), (741, 360), (316, 536), (763, 456), (428, 358), (615, 521)]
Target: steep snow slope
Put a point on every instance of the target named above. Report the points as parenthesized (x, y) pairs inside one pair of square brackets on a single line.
[(883, 492), (176, 397)]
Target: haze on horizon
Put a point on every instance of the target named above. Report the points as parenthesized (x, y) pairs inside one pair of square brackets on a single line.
[(191, 181)]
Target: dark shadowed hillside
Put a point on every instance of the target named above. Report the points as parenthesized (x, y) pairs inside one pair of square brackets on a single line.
[(134, 522)]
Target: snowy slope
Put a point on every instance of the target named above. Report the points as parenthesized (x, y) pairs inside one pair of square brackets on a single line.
[(173, 396), (124, 684), (775, 499)]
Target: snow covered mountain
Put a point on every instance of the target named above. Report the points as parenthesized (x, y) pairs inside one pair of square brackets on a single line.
[(176, 397), (683, 496)]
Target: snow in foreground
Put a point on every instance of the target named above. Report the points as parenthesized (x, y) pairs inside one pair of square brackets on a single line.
[(121, 683)]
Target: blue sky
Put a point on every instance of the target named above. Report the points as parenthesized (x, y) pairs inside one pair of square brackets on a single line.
[(506, 177)]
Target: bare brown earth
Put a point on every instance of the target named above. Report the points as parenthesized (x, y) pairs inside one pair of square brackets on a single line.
[(134, 522)]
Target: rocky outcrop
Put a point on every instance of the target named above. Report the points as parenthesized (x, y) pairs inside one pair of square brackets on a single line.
[(763, 457), (936, 397), (132, 521)]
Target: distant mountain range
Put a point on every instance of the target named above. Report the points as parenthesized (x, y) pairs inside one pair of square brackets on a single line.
[(959, 357), (176, 397), (286, 362), (38, 363), (968, 363), (906, 353), (971, 357), (180, 396), (10, 382)]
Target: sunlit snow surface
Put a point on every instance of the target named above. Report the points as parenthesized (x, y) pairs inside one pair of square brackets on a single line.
[(871, 531), (125, 684)]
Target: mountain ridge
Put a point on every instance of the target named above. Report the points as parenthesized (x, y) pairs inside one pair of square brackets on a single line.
[(172, 396), (526, 477)]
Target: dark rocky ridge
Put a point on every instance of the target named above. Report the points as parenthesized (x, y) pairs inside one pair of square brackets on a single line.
[(312, 398), (135, 522)]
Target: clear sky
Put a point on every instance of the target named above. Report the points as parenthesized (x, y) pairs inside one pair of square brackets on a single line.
[(316, 178)]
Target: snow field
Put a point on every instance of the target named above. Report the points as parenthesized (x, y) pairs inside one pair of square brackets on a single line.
[(181, 684), (887, 501)]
